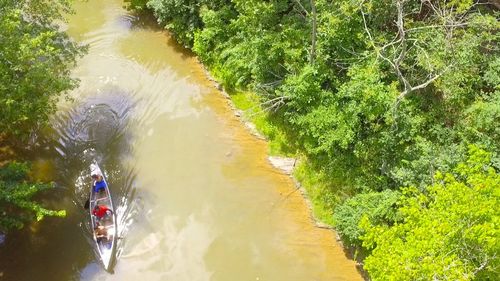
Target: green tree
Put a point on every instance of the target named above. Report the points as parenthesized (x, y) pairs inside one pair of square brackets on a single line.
[(137, 5), (449, 231), (379, 207), (35, 63), (17, 205), (182, 17)]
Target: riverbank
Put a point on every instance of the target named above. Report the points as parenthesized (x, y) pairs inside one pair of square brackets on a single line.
[(309, 183), (314, 185), (297, 195), (319, 189), (247, 108)]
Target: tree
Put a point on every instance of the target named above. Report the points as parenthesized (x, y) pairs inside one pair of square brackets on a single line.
[(379, 207), (182, 17), (449, 231), (428, 38), (35, 62), (17, 206)]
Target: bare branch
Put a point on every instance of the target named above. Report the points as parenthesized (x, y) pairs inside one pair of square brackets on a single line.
[(421, 86), (438, 26), (302, 7), (275, 100), (273, 104), (395, 51), (300, 13)]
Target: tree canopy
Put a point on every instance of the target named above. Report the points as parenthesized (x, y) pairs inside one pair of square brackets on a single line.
[(35, 63), (17, 195), (449, 231)]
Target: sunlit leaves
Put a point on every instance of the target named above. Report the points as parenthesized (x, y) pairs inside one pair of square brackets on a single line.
[(35, 62), (182, 17), (449, 231), (17, 205), (380, 207)]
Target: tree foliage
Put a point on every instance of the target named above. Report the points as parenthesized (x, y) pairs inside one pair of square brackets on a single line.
[(450, 230), (182, 17), (17, 205), (379, 207), (35, 62)]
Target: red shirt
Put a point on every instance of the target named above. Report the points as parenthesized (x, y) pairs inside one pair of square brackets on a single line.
[(101, 211)]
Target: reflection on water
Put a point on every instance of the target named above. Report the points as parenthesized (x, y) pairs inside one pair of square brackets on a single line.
[(194, 195)]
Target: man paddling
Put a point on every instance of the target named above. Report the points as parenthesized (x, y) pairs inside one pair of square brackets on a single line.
[(100, 211), (99, 183), (101, 233)]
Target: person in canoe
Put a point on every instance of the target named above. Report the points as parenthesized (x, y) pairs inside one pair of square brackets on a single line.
[(101, 211), (101, 233), (99, 183)]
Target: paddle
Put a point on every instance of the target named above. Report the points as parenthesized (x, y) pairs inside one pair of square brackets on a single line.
[(87, 204)]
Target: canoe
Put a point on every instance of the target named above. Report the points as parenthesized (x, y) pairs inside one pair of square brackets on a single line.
[(105, 246)]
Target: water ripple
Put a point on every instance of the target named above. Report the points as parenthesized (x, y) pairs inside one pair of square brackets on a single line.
[(98, 129)]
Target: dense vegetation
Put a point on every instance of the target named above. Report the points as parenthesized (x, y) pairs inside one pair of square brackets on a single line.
[(35, 62), (448, 231), (383, 98), (16, 197)]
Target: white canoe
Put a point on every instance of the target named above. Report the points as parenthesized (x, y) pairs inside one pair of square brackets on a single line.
[(105, 247)]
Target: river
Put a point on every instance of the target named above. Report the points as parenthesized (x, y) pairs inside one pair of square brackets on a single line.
[(195, 196)]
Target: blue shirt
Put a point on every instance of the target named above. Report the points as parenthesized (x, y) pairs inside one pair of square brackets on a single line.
[(99, 185)]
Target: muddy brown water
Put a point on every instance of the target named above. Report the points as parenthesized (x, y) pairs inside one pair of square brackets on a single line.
[(195, 197)]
